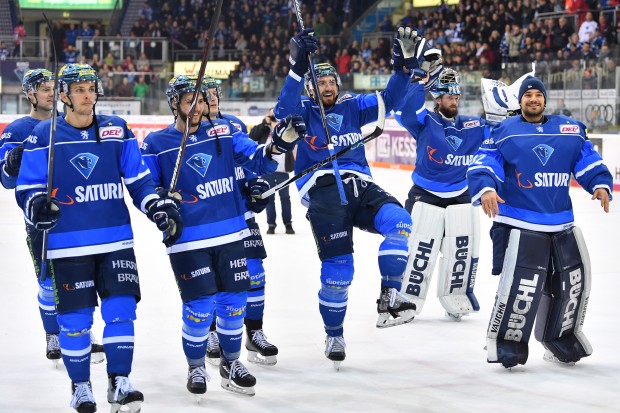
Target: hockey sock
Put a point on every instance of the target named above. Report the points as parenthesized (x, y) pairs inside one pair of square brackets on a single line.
[(47, 306), (252, 325), (336, 276), (118, 313), (394, 223), (230, 314), (74, 342), (197, 317), (256, 295)]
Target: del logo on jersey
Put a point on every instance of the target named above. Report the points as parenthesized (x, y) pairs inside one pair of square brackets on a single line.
[(111, 132), (569, 129), (220, 130)]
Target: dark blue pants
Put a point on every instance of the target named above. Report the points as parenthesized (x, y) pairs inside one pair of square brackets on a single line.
[(285, 200)]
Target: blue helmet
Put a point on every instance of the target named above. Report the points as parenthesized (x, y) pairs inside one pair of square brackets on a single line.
[(180, 85), (211, 83), (33, 79), (77, 72), (321, 69), (448, 83)]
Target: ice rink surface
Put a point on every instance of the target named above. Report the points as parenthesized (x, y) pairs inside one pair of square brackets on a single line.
[(430, 365)]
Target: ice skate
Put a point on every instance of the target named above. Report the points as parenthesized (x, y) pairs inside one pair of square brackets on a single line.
[(52, 352), (260, 351), (236, 378), (393, 308), (550, 357), (122, 396), (213, 349), (335, 350), (197, 378), (97, 353), (454, 316), (83, 400)]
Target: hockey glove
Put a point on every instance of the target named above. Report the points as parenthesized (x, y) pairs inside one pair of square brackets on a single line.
[(287, 132), (165, 214), (175, 196), (254, 188), (404, 48), (300, 48), (42, 214), (431, 63), (14, 160)]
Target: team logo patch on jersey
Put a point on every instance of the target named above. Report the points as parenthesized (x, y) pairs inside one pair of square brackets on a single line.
[(193, 138), (200, 163), (471, 124), (543, 152), (454, 141), (85, 163), (111, 132), (220, 130), (335, 121), (84, 134), (569, 129), (539, 129)]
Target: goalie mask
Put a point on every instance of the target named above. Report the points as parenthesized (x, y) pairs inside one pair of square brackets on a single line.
[(448, 83), (32, 80), (499, 100), (180, 85), (321, 70)]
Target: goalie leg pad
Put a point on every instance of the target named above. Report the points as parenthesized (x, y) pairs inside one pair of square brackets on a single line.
[(565, 300), (518, 295), (458, 266), (424, 245)]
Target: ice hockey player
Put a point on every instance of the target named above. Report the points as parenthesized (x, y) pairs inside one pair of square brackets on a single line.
[(439, 201), (91, 245), (521, 177), (260, 350), (209, 260), (38, 87), (369, 207)]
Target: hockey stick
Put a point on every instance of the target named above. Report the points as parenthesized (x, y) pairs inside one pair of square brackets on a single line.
[(192, 108), (50, 156), (330, 145), (373, 135)]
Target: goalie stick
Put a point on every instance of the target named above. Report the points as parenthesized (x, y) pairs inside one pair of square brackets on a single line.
[(50, 155), (192, 108), (330, 145), (373, 135)]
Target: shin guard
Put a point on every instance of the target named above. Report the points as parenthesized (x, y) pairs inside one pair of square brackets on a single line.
[(518, 295), (565, 299), (457, 267), (424, 245)]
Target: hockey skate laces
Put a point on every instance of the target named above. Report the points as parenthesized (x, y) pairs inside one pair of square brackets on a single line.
[(337, 344), (199, 375), (123, 386), (260, 338), (213, 342), (82, 394), (238, 369), (52, 342)]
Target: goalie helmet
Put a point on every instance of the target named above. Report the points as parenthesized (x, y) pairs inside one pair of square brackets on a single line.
[(211, 83), (321, 70), (180, 85), (77, 72), (448, 83), (33, 79)]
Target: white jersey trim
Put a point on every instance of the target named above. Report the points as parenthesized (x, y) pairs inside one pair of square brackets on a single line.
[(90, 249), (211, 242), (533, 227)]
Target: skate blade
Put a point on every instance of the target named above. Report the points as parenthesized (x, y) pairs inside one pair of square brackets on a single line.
[(199, 397), (133, 407), (385, 320), (97, 358), (213, 361), (256, 358), (231, 387), (337, 365), (458, 317), (553, 359)]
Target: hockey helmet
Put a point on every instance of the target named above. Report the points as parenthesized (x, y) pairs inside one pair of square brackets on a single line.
[(180, 85), (33, 79), (448, 83), (78, 72), (212, 83), (321, 70)]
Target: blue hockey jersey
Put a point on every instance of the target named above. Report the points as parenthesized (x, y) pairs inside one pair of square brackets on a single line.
[(14, 134), (345, 120), (212, 207), (444, 149), (530, 167), (88, 183)]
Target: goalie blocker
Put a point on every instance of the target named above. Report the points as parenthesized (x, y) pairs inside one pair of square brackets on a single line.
[(552, 271), (455, 231)]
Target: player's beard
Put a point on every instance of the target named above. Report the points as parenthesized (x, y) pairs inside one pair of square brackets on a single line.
[(183, 117), (449, 112), (533, 112)]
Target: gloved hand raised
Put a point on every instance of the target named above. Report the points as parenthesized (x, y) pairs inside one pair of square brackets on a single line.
[(165, 214), (287, 132), (300, 48), (42, 214), (254, 188), (404, 49), (14, 160)]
